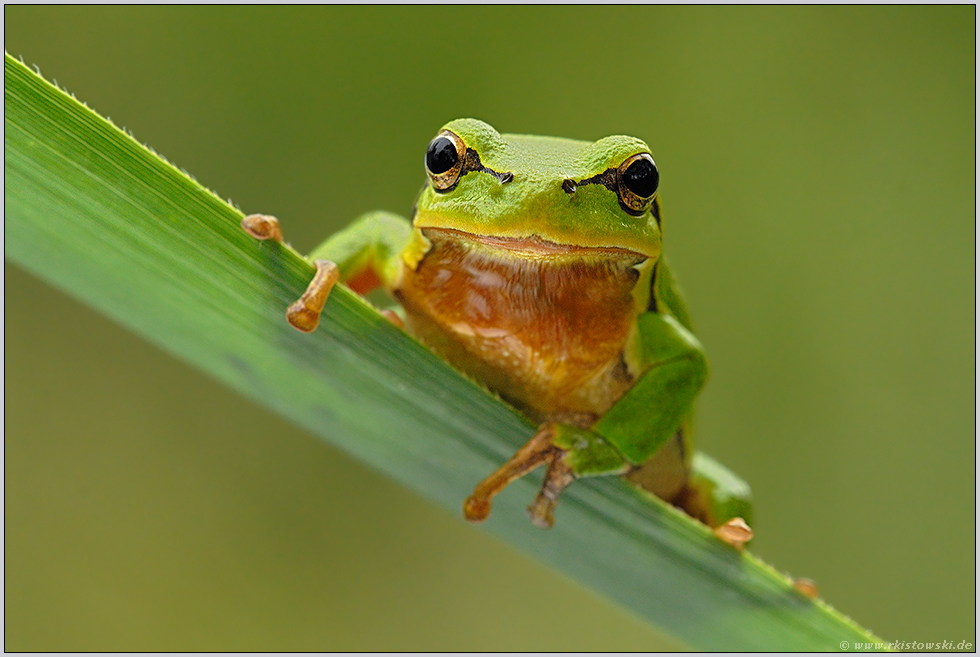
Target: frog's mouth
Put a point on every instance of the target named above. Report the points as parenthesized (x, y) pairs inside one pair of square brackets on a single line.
[(531, 246)]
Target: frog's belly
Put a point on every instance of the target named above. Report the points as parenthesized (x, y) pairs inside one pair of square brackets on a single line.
[(545, 329)]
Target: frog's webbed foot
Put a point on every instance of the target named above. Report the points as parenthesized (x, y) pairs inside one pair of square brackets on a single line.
[(538, 451), (304, 313)]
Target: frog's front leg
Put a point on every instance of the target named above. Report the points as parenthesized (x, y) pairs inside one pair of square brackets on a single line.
[(568, 451), (364, 255), (649, 414)]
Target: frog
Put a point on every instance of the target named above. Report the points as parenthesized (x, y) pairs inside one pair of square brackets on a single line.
[(534, 265)]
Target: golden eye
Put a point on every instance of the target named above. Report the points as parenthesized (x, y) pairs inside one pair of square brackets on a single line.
[(638, 181), (444, 160)]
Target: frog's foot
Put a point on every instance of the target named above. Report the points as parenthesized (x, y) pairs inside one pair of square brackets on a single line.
[(736, 532), (806, 587), (538, 451), (393, 317), (262, 227), (304, 313), (556, 479)]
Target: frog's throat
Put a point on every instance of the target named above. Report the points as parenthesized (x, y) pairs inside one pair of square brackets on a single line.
[(544, 325), (532, 246)]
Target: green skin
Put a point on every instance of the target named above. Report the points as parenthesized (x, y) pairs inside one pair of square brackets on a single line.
[(667, 359)]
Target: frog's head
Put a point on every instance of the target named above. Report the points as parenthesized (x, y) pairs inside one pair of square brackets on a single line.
[(569, 193)]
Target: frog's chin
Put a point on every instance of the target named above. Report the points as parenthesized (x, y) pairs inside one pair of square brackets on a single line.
[(528, 245)]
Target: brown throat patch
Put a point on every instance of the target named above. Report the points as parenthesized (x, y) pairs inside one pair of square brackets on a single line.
[(541, 324)]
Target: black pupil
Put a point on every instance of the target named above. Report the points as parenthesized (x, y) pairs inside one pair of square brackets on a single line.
[(642, 178), (441, 156)]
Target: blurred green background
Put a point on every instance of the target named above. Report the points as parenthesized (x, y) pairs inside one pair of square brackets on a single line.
[(818, 184)]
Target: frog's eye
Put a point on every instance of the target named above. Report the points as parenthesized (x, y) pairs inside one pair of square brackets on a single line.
[(444, 160), (638, 181)]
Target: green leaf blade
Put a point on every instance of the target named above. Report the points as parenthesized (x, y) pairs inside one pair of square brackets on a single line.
[(93, 212)]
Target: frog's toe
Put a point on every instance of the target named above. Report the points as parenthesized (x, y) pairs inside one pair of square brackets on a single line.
[(556, 479), (736, 532), (476, 508), (262, 227), (304, 313), (538, 451), (393, 317), (806, 587)]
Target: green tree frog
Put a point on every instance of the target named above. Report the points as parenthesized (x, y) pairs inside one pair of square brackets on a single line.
[(535, 266)]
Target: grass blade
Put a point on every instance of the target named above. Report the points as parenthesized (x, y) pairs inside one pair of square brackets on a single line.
[(95, 213)]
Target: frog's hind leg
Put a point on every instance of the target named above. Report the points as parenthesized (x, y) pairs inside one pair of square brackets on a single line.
[(364, 255), (725, 494), (666, 474), (702, 487), (719, 498)]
